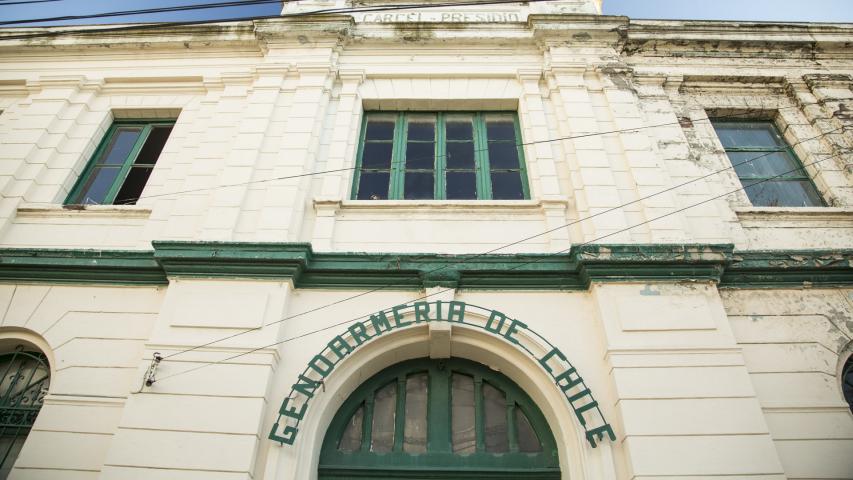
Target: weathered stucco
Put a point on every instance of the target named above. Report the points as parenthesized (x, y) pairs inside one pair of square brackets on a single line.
[(711, 331)]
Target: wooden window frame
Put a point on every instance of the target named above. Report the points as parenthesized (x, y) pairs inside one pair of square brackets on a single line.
[(147, 126), (481, 154), (798, 176)]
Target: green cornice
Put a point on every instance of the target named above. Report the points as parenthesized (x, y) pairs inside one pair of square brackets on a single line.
[(80, 266), (297, 262)]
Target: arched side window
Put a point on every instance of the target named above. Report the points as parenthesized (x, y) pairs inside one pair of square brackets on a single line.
[(439, 419), (23, 385)]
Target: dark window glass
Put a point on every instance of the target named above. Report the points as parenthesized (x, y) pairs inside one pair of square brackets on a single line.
[(419, 186), (373, 185), (133, 185), (460, 156), (771, 174), (384, 408), (464, 436), (506, 186), (459, 129), (420, 156), (415, 433), (380, 129), (377, 155), (461, 185), (494, 408), (351, 439), (119, 170), (528, 442), (503, 156)]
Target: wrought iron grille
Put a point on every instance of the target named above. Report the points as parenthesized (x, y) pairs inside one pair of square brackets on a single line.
[(25, 380)]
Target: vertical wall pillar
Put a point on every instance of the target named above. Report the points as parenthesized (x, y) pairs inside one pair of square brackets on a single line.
[(685, 402), (542, 162), (335, 187), (592, 177)]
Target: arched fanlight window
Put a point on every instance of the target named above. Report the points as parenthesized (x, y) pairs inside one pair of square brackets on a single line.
[(847, 381), (439, 419), (23, 385)]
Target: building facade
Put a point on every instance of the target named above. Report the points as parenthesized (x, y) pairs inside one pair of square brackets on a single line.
[(491, 240)]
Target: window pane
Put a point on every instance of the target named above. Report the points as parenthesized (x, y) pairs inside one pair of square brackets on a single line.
[(494, 407), (782, 193), (461, 185), (351, 439), (94, 192), (120, 145), (420, 156), (765, 164), (376, 155), (459, 129), (500, 129), (133, 185), (373, 185), (415, 436), (460, 155), (503, 155), (153, 145), (748, 134), (384, 407), (464, 436), (528, 442), (379, 128), (507, 186), (418, 186), (421, 128)]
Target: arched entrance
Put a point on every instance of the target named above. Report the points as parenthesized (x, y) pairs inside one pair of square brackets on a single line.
[(450, 418)]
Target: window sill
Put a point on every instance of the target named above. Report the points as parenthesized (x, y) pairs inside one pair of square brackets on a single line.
[(80, 211), (329, 205), (799, 214)]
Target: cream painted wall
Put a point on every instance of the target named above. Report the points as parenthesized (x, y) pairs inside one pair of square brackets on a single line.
[(697, 383)]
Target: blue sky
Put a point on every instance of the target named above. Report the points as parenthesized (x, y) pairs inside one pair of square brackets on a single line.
[(767, 10)]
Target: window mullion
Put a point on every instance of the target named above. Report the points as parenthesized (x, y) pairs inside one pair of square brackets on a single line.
[(356, 178), (522, 162), (479, 415), (440, 183), (128, 162), (400, 417), (92, 165), (398, 158), (481, 158), (367, 424), (511, 427)]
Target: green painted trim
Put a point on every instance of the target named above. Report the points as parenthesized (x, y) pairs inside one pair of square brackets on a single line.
[(80, 266), (411, 271)]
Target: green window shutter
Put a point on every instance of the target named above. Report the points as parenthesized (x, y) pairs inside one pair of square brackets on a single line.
[(768, 168), (507, 437), (118, 170), (398, 165)]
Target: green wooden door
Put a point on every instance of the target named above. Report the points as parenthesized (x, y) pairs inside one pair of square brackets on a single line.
[(436, 419)]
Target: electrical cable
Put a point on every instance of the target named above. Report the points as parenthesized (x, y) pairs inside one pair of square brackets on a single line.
[(603, 212), (24, 2), (328, 11), (144, 11), (206, 364), (469, 259), (132, 200)]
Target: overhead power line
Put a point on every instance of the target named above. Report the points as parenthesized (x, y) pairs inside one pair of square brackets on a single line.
[(23, 2), (132, 200), (469, 259), (233, 357), (143, 11)]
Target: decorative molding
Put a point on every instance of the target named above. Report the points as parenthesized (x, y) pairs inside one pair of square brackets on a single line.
[(297, 262)]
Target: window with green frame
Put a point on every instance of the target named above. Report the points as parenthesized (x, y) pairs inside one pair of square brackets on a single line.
[(440, 156), (771, 173), (433, 419), (121, 165)]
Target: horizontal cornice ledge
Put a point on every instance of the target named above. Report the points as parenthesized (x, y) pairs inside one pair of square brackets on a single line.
[(36, 265), (297, 262)]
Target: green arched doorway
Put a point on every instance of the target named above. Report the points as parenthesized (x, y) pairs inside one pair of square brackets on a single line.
[(434, 419)]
